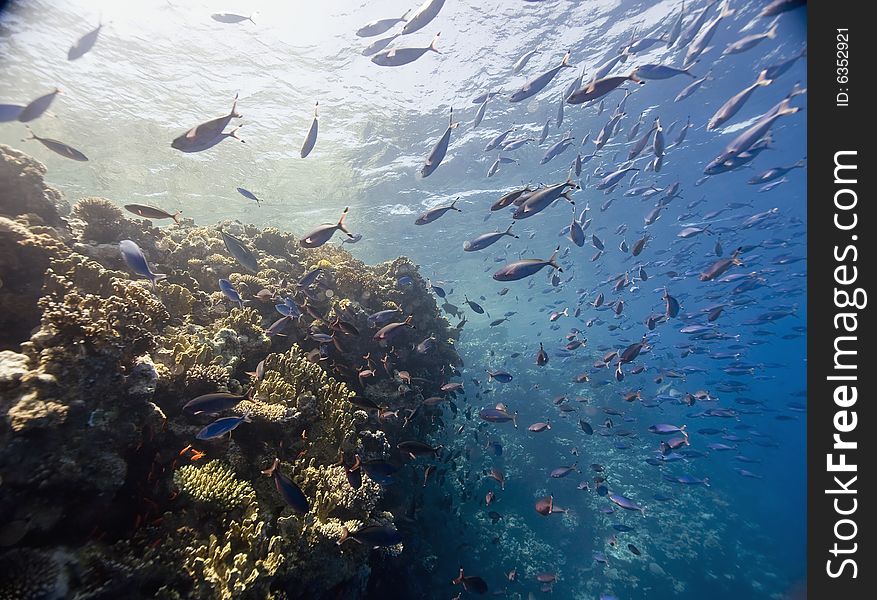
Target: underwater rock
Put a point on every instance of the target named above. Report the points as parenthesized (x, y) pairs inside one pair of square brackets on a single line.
[(93, 379), (23, 188)]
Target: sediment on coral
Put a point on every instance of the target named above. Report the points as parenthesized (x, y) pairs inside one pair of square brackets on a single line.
[(94, 374)]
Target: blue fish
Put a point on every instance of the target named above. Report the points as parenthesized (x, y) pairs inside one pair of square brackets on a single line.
[(288, 308), (405, 281), (227, 288), (240, 252), (287, 489), (212, 403), (133, 256), (220, 427), (248, 194)]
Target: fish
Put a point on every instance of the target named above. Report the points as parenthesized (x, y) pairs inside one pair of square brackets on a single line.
[(500, 376), (245, 257), (774, 71), (750, 136), (544, 197), (539, 427), (733, 105), (397, 57), (372, 536), (434, 213), (470, 583), (220, 427), (379, 45), (496, 415), (693, 87), (58, 147), (207, 134), (227, 288), (422, 16), (414, 449), (598, 88), (133, 257), (625, 503), (521, 269), (613, 178), (84, 44), (750, 41), (537, 84), (718, 268), (231, 18), (705, 35), (324, 232), (379, 26), (35, 108), (474, 306), (480, 114), (250, 195), (775, 173), (564, 471), (150, 212), (586, 427), (311, 137), (541, 356), (673, 35), (390, 331), (776, 7), (439, 150), (522, 62), (545, 506), (557, 148), (288, 490), (487, 239), (213, 403), (656, 71)]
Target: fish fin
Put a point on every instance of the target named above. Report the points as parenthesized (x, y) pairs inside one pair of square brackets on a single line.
[(432, 44)]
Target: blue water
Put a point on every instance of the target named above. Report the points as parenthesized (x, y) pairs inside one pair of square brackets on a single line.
[(161, 65)]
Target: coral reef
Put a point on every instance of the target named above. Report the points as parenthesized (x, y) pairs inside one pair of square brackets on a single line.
[(96, 365)]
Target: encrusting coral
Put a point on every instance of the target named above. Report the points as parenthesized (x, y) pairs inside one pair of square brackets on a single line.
[(93, 384)]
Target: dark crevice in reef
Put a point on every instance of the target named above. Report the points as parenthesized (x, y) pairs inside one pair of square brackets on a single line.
[(107, 493)]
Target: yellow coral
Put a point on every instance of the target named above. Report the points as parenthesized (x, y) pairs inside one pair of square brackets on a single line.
[(214, 485)]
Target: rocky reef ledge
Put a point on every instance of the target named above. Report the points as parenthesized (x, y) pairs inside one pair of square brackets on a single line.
[(105, 490)]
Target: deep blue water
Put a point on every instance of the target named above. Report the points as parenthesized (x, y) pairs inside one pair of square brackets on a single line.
[(741, 537)]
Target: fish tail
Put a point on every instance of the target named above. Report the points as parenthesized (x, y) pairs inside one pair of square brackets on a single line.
[(772, 32), (432, 44), (706, 481), (316, 108), (565, 61), (345, 535), (454, 203), (548, 423), (408, 320), (270, 470), (553, 260), (727, 11), (509, 232), (234, 134), (515, 423), (176, 215), (234, 106), (341, 225), (633, 77), (762, 79)]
